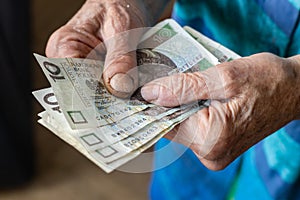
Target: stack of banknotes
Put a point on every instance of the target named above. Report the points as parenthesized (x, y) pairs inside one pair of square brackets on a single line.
[(111, 131)]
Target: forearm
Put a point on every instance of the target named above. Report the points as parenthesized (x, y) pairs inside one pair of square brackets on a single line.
[(155, 8), (151, 10)]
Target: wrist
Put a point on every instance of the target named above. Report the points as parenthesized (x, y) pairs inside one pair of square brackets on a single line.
[(155, 9), (148, 11), (295, 68), (134, 8)]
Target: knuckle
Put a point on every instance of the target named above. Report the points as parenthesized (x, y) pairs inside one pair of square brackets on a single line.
[(174, 88), (56, 40), (196, 82), (167, 95), (118, 17), (187, 86), (228, 75), (230, 79)]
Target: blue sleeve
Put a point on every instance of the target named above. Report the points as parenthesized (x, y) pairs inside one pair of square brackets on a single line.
[(271, 169)]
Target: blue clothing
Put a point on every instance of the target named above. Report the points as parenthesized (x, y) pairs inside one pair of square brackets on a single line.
[(270, 169)]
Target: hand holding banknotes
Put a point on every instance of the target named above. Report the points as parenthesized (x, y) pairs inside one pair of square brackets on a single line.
[(95, 23), (251, 98)]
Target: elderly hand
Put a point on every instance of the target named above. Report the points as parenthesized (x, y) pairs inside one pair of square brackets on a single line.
[(98, 22), (251, 98)]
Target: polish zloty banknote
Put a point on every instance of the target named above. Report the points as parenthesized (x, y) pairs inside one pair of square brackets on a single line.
[(82, 98), (48, 101), (222, 53), (167, 49), (68, 138)]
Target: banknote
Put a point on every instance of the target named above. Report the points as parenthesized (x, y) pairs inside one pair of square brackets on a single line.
[(169, 40), (48, 122), (83, 99), (48, 101), (222, 53)]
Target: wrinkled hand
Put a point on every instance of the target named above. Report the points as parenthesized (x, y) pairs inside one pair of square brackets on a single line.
[(103, 22), (251, 98)]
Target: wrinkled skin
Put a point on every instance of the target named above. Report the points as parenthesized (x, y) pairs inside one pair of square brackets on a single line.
[(100, 24), (253, 97)]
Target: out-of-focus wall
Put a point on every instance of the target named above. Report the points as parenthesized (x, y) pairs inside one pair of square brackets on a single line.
[(46, 17)]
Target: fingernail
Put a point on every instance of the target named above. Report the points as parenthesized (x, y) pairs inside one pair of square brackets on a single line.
[(122, 83), (150, 92)]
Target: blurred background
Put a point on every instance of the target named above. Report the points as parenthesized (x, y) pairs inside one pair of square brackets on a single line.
[(60, 171)]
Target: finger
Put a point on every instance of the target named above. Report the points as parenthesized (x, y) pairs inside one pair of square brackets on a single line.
[(187, 132), (184, 88), (80, 36), (190, 140), (193, 131), (120, 74), (205, 133), (71, 42), (202, 132), (121, 37)]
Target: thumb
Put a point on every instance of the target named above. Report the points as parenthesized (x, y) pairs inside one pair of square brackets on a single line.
[(120, 74), (184, 88)]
